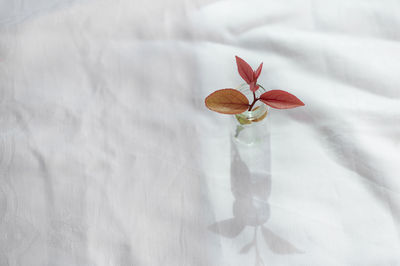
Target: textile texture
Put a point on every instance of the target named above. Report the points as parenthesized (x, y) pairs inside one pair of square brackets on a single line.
[(108, 155)]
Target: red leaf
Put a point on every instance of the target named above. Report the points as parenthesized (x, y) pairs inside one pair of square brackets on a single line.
[(245, 70), (280, 99), (227, 101), (258, 72)]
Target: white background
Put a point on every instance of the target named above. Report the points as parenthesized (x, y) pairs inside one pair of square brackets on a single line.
[(109, 156)]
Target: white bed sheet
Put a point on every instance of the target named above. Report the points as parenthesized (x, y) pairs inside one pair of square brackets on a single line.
[(109, 157)]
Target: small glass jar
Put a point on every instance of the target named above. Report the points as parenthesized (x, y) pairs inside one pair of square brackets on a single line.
[(251, 127)]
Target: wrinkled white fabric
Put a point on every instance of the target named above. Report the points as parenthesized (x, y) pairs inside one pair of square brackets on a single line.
[(109, 156)]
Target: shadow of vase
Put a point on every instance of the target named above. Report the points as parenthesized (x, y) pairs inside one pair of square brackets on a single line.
[(251, 188)]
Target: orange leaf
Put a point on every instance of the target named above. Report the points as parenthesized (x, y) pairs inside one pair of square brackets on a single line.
[(280, 99), (227, 101)]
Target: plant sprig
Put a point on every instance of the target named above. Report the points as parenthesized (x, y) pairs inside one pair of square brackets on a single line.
[(231, 101)]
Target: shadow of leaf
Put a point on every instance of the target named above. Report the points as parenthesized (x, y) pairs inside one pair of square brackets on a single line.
[(247, 248), (228, 228), (277, 244)]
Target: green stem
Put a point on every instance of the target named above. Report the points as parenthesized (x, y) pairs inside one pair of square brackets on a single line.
[(238, 129), (261, 86)]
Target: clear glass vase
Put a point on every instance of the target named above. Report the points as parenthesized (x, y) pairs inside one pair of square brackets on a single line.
[(251, 127)]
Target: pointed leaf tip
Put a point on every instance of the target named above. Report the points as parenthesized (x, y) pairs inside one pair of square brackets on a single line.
[(280, 99), (258, 71), (227, 101), (245, 70)]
